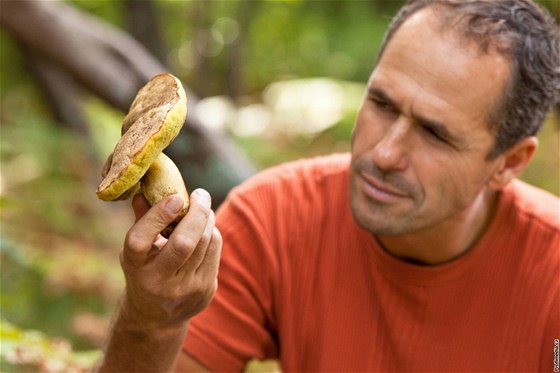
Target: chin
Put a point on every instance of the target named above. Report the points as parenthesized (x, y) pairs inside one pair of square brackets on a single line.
[(375, 218), (380, 223)]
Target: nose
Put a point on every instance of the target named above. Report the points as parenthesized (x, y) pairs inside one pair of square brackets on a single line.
[(391, 152)]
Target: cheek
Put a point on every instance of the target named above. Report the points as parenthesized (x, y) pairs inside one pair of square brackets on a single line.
[(447, 185), (436, 176)]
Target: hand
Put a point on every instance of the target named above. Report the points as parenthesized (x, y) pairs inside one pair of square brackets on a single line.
[(170, 280)]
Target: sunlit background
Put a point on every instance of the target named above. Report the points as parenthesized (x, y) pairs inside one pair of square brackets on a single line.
[(274, 80)]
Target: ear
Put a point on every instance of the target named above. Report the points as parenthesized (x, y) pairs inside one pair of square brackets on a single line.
[(513, 162)]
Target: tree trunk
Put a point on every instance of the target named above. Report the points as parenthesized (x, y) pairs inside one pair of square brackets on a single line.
[(203, 80), (63, 95), (105, 60), (112, 65), (236, 53), (143, 24)]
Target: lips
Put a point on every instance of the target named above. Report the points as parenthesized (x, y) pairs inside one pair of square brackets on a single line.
[(379, 190)]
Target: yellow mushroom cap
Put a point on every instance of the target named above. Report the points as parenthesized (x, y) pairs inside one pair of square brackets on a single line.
[(155, 118)]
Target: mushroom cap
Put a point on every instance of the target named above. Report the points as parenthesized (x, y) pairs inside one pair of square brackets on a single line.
[(155, 118)]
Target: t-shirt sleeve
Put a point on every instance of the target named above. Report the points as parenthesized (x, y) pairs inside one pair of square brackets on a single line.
[(239, 323)]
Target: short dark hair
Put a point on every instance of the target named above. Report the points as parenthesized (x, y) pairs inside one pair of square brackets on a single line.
[(526, 35)]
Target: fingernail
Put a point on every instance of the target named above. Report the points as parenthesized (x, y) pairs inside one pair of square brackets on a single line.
[(202, 194), (174, 204)]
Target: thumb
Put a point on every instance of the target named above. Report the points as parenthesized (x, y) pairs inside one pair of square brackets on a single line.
[(148, 226)]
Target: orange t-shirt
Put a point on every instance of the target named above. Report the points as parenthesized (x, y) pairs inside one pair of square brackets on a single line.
[(300, 281)]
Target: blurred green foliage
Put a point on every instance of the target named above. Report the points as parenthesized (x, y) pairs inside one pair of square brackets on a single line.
[(59, 245), (33, 350), (278, 39)]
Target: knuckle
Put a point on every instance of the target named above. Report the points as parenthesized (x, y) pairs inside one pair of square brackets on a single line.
[(133, 241), (204, 294), (183, 244), (205, 239), (211, 217), (217, 237), (208, 234), (176, 295), (215, 246), (122, 260), (211, 292), (213, 288), (209, 285)]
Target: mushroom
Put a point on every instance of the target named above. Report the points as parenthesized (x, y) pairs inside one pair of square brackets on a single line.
[(137, 163)]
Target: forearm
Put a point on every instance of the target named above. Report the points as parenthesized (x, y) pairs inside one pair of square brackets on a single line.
[(168, 281), (133, 347)]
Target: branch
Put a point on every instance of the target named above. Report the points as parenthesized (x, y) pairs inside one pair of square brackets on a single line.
[(111, 64)]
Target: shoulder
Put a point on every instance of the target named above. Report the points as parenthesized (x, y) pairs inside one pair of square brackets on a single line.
[(526, 233), (537, 225), (297, 179), (301, 170), (530, 234), (535, 205), (284, 202)]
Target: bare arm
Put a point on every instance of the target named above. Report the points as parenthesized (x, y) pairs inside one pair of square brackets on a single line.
[(167, 282)]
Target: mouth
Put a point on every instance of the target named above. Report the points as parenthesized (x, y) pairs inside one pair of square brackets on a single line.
[(380, 191)]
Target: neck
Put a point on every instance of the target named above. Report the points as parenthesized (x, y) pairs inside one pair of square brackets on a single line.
[(446, 241)]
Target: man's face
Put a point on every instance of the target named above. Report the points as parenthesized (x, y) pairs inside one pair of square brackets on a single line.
[(421, 140)]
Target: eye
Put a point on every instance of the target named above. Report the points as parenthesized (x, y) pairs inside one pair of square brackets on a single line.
[(383, 105), (432, 133)]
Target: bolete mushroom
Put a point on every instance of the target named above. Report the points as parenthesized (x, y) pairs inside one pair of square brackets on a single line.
[(154, 120)]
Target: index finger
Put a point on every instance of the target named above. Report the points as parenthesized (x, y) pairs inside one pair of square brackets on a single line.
[(187, 235), (140, 206), (144, 232)]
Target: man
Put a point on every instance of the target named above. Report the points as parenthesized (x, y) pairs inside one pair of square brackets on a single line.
[(439, 261)]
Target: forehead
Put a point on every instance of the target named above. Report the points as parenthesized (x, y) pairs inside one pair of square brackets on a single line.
[(430, 69)]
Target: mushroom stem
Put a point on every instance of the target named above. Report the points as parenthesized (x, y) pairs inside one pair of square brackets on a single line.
[(161, 180)]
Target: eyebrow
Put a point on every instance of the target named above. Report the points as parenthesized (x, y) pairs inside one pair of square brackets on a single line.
[(438, 127), (381, 94)]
